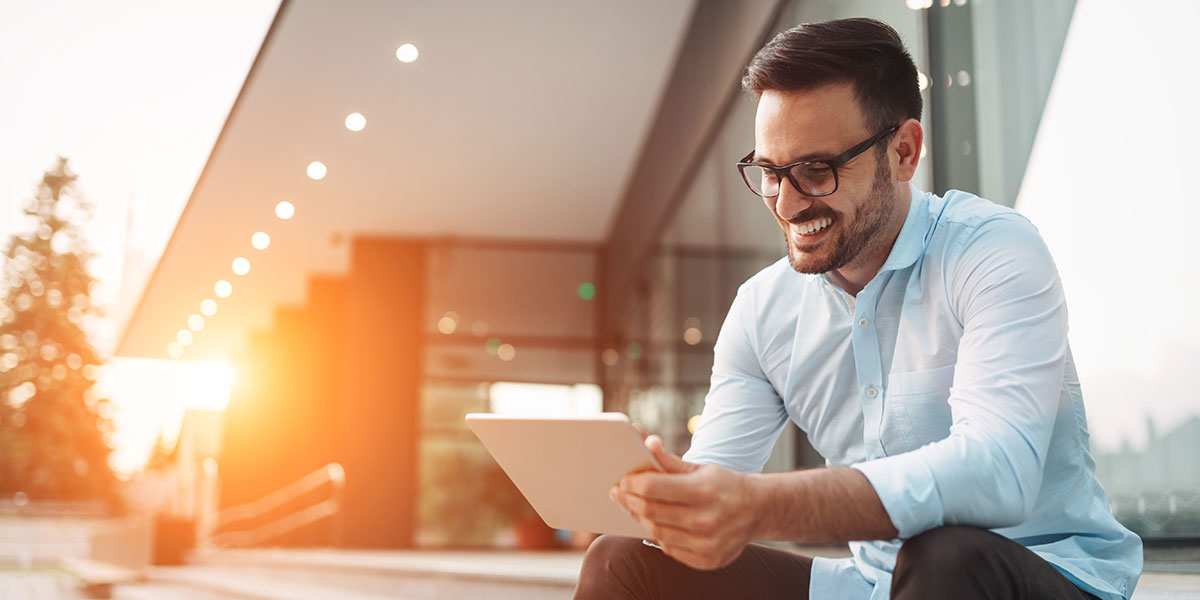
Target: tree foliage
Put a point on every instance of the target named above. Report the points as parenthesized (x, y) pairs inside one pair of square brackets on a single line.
[(54, 428)]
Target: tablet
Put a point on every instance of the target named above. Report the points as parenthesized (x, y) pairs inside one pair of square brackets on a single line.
[(566, 466)]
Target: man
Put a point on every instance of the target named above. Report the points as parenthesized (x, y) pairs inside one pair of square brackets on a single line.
[(921, 342)]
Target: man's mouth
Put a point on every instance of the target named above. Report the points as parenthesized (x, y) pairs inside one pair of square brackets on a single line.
[(812, 228)]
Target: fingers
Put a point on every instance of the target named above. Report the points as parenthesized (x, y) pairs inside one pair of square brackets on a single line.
[(675, 488), (662, 513), (670, 463), (641, 431)]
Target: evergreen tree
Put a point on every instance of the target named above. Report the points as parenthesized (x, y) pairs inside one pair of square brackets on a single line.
[(53, 427)]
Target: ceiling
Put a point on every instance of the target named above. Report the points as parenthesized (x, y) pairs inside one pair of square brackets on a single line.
[(519, 120)]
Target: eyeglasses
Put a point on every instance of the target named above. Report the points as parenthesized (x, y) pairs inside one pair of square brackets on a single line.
[(809, 177)]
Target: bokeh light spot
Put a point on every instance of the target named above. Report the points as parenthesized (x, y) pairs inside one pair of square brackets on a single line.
[(260, 240), (448, 323), (407, 53), (587, 291), (355, 121), (223, 289), (284, 210)]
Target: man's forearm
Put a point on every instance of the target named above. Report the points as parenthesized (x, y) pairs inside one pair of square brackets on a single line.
[(819, 506)]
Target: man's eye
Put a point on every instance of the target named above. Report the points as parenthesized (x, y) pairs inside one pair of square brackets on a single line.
[(814, 171)]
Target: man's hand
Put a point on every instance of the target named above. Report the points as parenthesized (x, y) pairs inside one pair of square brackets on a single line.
[(701, 515)]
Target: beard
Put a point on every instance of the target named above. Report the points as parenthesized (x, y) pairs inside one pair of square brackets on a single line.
[(850, 240)]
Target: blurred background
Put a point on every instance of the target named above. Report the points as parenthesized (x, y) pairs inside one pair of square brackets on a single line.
[(262, 257)]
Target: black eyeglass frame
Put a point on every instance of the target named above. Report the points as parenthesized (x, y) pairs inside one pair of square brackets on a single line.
[(832, 163)]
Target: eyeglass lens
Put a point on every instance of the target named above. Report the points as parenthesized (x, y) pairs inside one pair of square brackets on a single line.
[(815, 179)]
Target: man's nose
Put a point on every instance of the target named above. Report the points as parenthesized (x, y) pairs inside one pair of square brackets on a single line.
[(790, 202)]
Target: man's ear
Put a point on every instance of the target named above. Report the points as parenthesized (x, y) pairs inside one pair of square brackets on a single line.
[(906, 150)]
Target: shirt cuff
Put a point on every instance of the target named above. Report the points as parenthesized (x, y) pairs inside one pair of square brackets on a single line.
[(908, 491)]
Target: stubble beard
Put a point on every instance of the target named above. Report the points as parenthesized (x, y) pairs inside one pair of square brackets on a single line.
[(859, 236)]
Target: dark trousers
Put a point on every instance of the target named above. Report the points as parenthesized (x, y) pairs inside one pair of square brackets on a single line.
[(947, 562)]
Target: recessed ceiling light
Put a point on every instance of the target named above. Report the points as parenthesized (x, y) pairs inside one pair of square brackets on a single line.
[(284, 210), (260, 240), (355, 122), (407, 53), (316, 170)]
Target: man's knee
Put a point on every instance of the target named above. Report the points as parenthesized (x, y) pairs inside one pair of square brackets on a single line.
[(612, 550), (948, 550), (611, 565)]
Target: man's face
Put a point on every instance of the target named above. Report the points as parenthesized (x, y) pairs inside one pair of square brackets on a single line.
[(830, 232)]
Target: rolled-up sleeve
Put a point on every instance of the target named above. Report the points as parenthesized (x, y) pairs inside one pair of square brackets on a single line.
[(1006, 293), (743, 415)]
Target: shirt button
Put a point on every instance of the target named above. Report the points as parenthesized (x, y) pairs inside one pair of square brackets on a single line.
[(862, 322), (872, 392)]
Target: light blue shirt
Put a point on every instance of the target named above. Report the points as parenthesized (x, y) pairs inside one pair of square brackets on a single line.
[(947, 381)]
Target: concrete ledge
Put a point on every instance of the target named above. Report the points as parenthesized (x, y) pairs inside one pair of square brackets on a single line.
[(539, 568)]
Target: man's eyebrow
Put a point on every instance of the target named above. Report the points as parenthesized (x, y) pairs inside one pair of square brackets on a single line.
[(807, 157)]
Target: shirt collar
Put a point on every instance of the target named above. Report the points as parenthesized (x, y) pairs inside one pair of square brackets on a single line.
[(910, 244)]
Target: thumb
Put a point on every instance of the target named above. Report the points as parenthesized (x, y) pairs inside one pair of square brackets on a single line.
[(668, 461)]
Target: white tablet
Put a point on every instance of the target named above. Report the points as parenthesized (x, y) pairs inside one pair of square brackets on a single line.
[(566, 466)]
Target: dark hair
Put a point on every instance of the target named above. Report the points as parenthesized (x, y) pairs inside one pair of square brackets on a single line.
[(863, 52)]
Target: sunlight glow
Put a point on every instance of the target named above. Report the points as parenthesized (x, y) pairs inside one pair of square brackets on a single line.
[(151, 396), (1133, 345)]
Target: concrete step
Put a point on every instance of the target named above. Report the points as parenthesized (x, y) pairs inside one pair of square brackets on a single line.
[(374, 575), (1168, 586), (417, 575)]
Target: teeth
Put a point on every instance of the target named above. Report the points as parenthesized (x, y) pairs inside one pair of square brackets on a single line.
[(813, 226)]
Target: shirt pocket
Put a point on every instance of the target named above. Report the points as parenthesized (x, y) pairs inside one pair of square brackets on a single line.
[(916, 409)]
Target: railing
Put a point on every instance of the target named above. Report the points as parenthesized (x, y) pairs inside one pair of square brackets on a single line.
[(331, 508)]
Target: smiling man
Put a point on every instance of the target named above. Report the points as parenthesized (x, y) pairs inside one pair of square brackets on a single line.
[(920, 342)]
